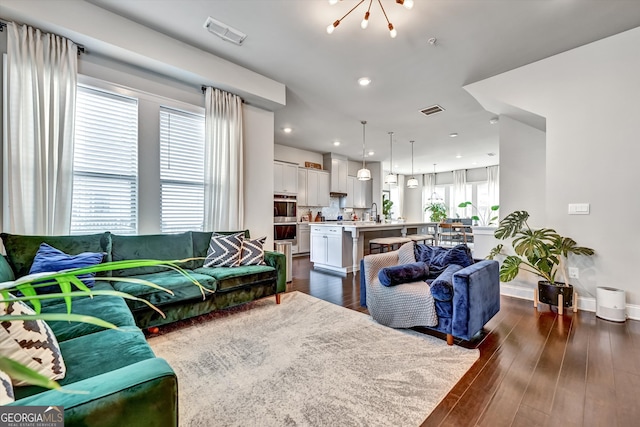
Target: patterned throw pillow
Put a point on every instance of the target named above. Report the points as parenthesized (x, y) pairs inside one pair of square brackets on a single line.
[(6, 389), (224, 251), (49, 259), (30, 342), (253, 252)]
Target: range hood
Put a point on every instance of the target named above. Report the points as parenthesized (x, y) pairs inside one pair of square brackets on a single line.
[(337, 165), (337, 194)]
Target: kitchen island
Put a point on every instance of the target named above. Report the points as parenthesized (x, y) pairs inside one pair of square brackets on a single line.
[(339, 246)]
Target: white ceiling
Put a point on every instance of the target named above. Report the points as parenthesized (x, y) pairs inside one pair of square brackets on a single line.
[(476, 39)]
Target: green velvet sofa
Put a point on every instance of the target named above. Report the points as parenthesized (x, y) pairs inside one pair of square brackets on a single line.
[(121, 380)]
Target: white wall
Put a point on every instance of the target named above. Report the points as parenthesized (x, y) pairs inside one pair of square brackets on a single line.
[(258, 172), (589, 98), (413, 210), (295, 155), (522, 170)]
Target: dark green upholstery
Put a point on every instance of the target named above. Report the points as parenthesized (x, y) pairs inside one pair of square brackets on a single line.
[(22, 249), (143, 394), (6, 273), (110, 308), (229, 278), (95, 354), (153, 246), (183, 289)]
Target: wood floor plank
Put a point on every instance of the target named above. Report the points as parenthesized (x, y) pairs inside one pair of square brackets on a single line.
[(530, 417), (569, 395)]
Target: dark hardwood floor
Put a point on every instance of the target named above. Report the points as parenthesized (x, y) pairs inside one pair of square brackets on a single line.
[(535, 368)]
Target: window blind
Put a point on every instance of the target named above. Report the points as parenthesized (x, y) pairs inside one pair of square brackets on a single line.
[(105, 164), (181, 170)]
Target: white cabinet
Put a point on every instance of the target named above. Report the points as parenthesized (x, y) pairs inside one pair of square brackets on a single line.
[(302, 188), (304, 238), (317, 188), (326, 246), (358, 193), (338, 166), (285, 178)]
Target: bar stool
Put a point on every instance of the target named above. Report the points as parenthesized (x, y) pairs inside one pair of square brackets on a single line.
[(388, 243), (422, 238)]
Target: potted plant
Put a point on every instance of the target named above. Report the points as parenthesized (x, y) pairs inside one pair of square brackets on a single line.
[(482, 218), (386, 208), (542, 252), (438, 212)]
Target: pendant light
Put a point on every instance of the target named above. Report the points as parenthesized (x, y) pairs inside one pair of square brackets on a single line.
[(364, 174), (435, 197), (391, 178), (412, 182)]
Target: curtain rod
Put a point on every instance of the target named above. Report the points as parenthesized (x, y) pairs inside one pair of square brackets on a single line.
[(81, 48)]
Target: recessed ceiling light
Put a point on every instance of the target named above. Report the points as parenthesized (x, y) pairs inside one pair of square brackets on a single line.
[(287, 130), (458, 156), (493, 120), (453, 134), (474, 163), (364, 81), (336, 143), (371, 153)]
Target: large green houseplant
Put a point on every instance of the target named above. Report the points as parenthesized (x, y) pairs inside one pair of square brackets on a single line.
[(438, 211), (540, 251), (67, 280)]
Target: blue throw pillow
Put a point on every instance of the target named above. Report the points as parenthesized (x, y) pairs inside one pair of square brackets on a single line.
[(49, 259), (405, 273), (439, 258), (442, 287)]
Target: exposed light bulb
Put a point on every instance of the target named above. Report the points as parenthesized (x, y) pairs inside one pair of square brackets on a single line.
[(332, 27), (408, 4), (365, 21), (392, 31), (332, 2)]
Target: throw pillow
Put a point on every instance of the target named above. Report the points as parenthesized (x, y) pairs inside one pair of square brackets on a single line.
[(405, 254), (49, 259), (6, 389), (224, 251), (30, 342), (439, 258), (253, 252), (442, 287), (405, 273)]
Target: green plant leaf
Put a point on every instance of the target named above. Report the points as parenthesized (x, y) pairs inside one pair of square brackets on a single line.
[(568, 245), (465, 204), (20, 372), (510, 267), (475, 218), (495, 207), (511, 225), (495, 251)]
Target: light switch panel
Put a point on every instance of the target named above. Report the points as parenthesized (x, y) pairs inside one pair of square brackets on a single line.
[(578, 208)]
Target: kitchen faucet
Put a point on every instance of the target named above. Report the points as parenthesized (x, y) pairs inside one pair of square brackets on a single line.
[(374, 217)]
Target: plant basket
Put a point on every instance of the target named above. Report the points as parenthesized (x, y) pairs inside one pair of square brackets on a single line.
[(548, 293)]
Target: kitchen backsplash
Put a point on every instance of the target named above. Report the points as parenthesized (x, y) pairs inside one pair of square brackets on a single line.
[(330, 212)]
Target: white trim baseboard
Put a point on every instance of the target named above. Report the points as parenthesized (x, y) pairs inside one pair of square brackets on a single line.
[(584, 303)]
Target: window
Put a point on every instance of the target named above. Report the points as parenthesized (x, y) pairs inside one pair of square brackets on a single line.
[(105, 164), (181, 170)]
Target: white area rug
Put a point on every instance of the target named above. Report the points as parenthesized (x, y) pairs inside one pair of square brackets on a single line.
[(307, 362)]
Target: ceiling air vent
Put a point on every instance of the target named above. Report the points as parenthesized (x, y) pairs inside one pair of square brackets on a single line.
[(430, 111), (224, 31)]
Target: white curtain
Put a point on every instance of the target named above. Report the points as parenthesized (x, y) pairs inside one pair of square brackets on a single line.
[(429, 187), (493, 181), (224, 188), (39, 117), (459, 192)]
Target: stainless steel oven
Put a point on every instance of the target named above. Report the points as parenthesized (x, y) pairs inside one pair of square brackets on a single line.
[(285, 232), (285, 209)]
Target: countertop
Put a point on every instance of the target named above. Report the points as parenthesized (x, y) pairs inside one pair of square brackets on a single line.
[(369, 224)]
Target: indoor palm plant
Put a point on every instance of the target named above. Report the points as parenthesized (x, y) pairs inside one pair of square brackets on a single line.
[(482, 218), (67, 280), (438, 212), (540, 251)]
